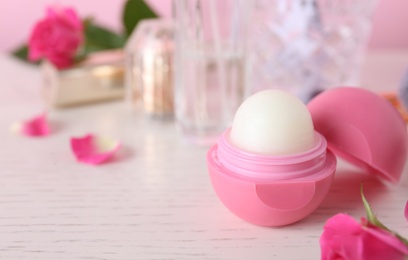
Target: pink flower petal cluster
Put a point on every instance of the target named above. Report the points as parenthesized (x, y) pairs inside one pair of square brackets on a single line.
[(56, 37), (345, 238), (37, 126), (87, 150)]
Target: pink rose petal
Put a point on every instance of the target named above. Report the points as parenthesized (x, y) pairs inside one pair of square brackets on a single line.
[(406, 211), (93, 150), (35, 127), (339, 239), (385, 237)]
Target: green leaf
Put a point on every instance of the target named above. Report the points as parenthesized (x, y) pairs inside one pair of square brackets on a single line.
[(99, 38), (135, 11), (374, 220), (21, 53)]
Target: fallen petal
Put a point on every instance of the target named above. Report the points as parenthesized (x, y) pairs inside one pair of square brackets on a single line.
[(93, 150), (37, 126)]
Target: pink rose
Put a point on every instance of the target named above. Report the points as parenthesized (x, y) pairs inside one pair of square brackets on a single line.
[(345, 238), (57, 37)]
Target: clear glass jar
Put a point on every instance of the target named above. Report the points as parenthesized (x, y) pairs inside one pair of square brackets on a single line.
[(210, 65), (307, 46)]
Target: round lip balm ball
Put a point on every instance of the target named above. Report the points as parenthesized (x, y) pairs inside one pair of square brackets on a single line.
[(273, 122)]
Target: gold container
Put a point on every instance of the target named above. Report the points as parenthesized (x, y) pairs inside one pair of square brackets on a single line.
[(149, 74), (98, 78)]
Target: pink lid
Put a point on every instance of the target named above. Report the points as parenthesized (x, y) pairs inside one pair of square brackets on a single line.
[(362, 128)]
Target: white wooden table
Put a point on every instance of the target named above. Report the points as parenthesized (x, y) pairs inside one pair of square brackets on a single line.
[(155, 201)]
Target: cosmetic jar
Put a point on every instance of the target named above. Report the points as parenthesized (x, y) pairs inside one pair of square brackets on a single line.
[(98, 78), (356, 124), (149, 68)]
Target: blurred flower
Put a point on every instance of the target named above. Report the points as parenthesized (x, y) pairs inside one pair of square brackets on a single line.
[(57, 37), (94, 150), (344, 238), (64, 39)]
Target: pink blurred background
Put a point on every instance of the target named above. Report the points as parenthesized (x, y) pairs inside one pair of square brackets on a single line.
[(18, 16)]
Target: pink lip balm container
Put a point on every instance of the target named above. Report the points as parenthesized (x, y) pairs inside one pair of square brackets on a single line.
[(267, 190)]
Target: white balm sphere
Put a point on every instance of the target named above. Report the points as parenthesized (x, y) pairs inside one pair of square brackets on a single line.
[(273, 122)]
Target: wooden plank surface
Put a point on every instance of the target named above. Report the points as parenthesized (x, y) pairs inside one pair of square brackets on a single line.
[(154, 202)]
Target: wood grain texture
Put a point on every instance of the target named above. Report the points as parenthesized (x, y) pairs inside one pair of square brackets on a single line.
[(154, 201)]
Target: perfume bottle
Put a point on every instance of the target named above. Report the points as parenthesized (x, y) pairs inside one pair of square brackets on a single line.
[(149, 69), (100, 77)]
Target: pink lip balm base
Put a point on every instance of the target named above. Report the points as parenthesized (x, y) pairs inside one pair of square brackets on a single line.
[(280, 187)]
